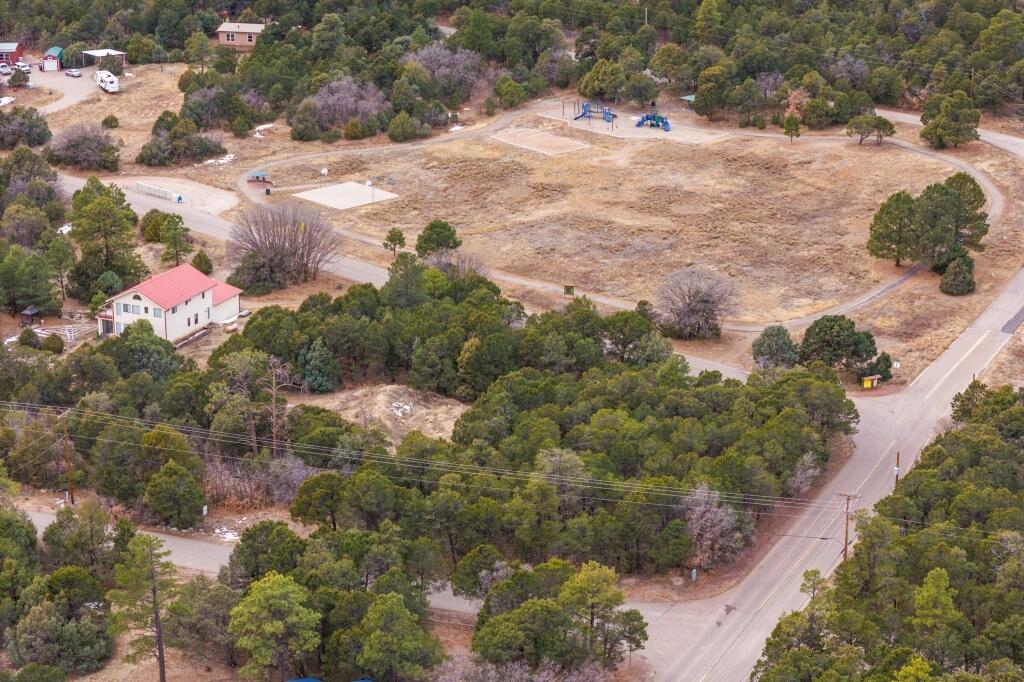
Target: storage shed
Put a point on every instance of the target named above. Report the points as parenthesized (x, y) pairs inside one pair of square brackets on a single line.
[(53, 60)]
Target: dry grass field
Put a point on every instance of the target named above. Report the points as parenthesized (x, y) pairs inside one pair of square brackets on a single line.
[(787, 222)]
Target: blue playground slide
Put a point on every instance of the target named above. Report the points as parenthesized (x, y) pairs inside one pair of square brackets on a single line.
[(654, 121), (585, 113)]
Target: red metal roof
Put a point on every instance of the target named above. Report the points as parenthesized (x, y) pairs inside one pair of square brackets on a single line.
[(174, 286), (177, 285), (223, 291)]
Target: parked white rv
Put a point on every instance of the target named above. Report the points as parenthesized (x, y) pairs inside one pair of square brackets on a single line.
[(107, 81)]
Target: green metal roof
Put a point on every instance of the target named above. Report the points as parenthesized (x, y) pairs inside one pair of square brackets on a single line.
[(57, 52)]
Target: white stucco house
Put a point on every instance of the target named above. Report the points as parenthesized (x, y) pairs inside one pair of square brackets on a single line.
[(177, 303)]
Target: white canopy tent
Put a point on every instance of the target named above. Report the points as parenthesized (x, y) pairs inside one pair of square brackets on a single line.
[(99, 54)]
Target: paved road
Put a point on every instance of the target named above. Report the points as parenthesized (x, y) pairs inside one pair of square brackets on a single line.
[(197, 555), (726, 645)]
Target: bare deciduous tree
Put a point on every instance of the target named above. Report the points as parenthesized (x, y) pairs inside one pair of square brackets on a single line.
[(85, 146), (466, 670), (693, 301), (251, 485), (295, 237), (768, 82), (714, 528), (453, 262), (807, 469), (343, 100), (456, 71)]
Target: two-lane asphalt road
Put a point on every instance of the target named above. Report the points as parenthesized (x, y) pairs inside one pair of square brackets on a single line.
[(727, 645)]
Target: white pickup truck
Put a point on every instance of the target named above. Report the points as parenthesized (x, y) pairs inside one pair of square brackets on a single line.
[(107, 81)]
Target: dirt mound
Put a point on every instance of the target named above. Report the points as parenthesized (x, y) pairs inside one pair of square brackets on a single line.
[(394, 408)]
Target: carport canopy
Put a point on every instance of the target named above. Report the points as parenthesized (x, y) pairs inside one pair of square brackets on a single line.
[(99, 54)]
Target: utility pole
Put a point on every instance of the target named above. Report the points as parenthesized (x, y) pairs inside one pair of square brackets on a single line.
[(896, 469), (846, 530), (68, 462)]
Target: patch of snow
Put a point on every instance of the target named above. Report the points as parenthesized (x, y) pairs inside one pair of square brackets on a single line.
[(265, 126), (455, 128), (227, 158), (227, 534), (64, 229), (4, 101), (401, 409)]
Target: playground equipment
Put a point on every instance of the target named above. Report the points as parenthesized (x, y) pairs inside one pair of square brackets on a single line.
[(654, 121), (588, 113)]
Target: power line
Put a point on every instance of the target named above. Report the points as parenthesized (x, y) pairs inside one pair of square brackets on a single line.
[(682, 503), (454, 467), (937, 529)]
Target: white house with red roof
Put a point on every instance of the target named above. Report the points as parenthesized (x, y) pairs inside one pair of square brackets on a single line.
[(177, 303)]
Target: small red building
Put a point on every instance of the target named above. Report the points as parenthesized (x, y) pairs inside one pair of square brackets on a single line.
[(52, 59), (10, 52)]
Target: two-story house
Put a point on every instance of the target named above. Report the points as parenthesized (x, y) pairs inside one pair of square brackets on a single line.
[(176, 303)]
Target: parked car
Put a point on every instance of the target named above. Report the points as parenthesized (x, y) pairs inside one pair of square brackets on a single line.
[(22, 66), (72, 73), (6, 70)]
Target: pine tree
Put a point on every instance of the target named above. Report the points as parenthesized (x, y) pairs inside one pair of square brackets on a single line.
[(892, 228), (146, 585), (173, 494), (394, 240), (174, 236), (791, 127), (319, 367)]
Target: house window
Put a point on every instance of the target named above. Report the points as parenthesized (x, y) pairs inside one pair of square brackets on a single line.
[(136, 310), (229, 37), (197, 318), (207, 313), (136, 297), (188, 321), (118, 326), (125, 308), (249, 37), (187, 301), (157, 312), (174, 310), (146, 310)]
